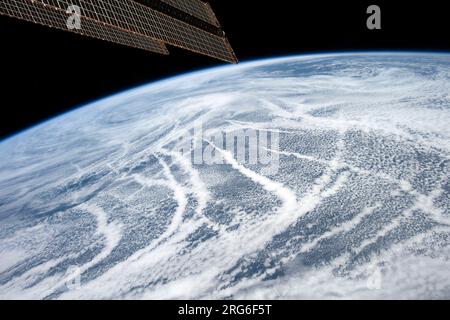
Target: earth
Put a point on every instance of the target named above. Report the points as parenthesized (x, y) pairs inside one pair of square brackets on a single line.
[(100, 203)]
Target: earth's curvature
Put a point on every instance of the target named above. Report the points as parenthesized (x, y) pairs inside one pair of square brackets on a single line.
[(100, 203)]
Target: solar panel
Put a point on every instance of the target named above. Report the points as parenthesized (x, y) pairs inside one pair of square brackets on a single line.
[(197, 8), (145, 24), (54, 14), (184, 35)]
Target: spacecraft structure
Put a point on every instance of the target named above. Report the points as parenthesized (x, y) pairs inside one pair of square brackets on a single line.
[(144, 24)]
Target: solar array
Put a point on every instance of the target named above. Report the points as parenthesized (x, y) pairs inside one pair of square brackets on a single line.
[(144, 24), (197, 8), (42, 13)]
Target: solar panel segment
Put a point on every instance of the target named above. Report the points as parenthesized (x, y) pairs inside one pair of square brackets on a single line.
[(145, 24), (52, 14), (196, 8)]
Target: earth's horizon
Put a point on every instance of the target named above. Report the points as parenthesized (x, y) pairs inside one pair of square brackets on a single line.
[(99, 203)]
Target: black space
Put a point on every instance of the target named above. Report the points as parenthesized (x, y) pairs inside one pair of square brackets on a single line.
[(46, 72)]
